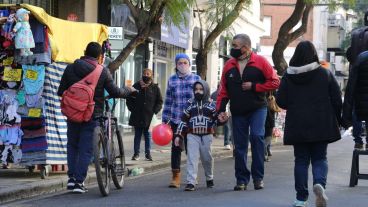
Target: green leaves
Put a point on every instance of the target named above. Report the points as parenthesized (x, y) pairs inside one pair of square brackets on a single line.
[(177, 12)]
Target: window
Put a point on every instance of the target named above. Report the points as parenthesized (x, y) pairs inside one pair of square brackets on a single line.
[(267, 24)]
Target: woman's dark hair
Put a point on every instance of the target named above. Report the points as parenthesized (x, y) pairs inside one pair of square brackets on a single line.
[(93, 50), (305, 53)]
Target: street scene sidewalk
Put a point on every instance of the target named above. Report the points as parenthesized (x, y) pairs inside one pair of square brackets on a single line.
[(18, 183)]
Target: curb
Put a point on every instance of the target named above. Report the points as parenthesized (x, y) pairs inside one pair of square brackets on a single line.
[(58, 184)]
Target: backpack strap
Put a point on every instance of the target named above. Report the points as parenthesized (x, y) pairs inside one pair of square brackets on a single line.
[(92, 78)]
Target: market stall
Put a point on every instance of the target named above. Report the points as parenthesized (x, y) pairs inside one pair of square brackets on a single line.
[(32, 61)]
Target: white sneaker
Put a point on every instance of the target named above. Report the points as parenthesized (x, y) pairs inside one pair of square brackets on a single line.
[(228, 147), (298, 203), (321, 198)]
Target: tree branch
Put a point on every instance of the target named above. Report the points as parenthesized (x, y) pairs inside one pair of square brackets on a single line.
[(293, 19), (201, 27), (133, 10), (223, 24), (303, 28)]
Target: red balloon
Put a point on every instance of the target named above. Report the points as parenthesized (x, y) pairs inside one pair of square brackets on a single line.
[(162, 134)]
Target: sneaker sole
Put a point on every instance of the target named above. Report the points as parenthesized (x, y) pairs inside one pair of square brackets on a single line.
[(70, 187), (189, 189), (79, 191), (321, 198)]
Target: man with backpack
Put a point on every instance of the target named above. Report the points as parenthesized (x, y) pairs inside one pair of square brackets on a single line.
[(82, 90), (354, 100)]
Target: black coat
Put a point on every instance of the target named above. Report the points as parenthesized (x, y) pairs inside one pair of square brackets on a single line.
[(81, 68), (356, 93), (146, 103), (312, 98)]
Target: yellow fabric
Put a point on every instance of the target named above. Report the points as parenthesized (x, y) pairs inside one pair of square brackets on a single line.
[(68, 39)]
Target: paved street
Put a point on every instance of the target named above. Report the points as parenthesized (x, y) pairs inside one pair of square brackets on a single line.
[(151, 190)]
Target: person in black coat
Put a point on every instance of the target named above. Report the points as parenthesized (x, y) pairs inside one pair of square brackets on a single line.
[(147, 102), (312, 98), (355, 108)]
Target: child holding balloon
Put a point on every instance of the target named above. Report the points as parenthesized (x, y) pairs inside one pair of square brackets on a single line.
[(198, 121)]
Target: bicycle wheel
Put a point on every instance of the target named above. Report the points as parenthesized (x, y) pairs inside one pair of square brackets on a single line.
[(118, 159), (100, 153)]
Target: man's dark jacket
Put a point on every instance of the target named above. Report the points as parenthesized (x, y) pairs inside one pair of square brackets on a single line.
[(82, 67), (356, 93)]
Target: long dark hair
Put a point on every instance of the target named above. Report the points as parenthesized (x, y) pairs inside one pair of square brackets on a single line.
[(305, 53)]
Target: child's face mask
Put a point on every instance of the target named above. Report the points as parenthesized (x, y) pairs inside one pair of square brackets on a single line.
[(198, 92)]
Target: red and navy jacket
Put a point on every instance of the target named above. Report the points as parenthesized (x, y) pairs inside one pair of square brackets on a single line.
[(263, 78)]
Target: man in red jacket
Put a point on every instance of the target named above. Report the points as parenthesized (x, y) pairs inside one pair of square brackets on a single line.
[(245, 79)]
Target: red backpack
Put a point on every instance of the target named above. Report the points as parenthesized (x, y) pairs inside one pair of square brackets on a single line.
[(77, 102)]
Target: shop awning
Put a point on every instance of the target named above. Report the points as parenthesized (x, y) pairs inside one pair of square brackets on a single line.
[(68, 39)]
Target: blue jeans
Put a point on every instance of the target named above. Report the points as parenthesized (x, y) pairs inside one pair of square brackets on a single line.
[(249, 128), (357, 129), (228, 136), (137, 139), (80, 148), (306, 153)]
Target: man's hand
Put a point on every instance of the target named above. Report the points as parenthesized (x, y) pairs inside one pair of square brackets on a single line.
[(223, 117), (132, 89), (247, 86), (177, 141)]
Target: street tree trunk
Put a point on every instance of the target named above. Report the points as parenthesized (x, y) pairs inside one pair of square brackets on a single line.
[(119, 60), (201, 63), (301, 11), (146, 23), (205, 47)]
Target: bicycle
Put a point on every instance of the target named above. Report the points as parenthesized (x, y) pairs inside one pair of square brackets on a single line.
[(108, 151)]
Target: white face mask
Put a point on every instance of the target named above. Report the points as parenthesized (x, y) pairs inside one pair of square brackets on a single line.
[(183, 69)]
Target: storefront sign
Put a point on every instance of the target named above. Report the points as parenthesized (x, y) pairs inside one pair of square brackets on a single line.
[(11, 74), (175, 36), (116, 33)]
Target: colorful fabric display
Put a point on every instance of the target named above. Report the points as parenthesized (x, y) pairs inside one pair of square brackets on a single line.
[(32, 123), (33, 78), (17, 155), (4, 154), (33, 158), (21, 97), (11, 135), (34, 133), (35, 100), (34, 144)]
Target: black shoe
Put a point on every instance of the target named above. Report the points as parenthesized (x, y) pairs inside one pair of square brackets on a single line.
[(210, 183), (79, 188), (135, 157), (71, 183), (189, 187), (267, 159), (148, 157), (240, 187), (258, 184), (269, 152), (358, 146)]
